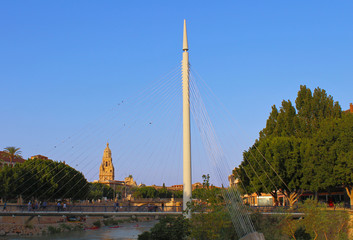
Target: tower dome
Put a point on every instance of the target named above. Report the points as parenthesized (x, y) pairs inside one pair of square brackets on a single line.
[(107, 152)]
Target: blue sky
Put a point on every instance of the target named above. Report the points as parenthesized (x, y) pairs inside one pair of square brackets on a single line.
[(64, 63)]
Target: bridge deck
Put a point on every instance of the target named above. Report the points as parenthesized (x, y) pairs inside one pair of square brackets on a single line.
[(69, 213)]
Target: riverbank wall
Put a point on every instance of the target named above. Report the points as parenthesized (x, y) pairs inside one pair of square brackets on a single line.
[(44, 225)]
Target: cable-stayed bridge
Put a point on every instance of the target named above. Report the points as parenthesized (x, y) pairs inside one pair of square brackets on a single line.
[(153, 133)]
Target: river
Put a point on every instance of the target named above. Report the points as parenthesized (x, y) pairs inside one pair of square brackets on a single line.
[(126, 231)]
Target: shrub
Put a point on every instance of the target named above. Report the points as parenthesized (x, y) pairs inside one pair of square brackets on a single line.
[(97, 223), (52, 229), (77, 227), (110, 222), (145, 236), (64, 227), (168, 228)]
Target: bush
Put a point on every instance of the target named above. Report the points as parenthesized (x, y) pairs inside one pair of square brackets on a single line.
[(215, 224), (168, 228), (52, 229), (77, 227), (301, 234), (97, 223), (110, 222), (322, 223), (270, 225), (64, 227), (145, 236)]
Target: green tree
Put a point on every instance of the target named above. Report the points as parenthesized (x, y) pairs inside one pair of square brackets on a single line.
[(206, 181), (100, 190), (290, 150), (271, 123), (42, 179), (286, 120), (273, 166), (145, 192), (12, 153), (164, 193), (343, 169), (329, 156), (313, 108)]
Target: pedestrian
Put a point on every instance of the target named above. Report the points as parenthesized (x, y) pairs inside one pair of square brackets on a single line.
[(29, 206), (59, 206), (116, 206), (64, 206), (4, 208), (44, 205)]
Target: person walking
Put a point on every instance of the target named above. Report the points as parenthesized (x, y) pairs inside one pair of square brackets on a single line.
[(64, 206), (4, 208), (116, 206), (59, 206), (29, 206)]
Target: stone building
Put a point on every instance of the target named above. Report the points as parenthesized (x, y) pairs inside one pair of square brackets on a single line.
[(106, 170), (39, 157), (129, 181)]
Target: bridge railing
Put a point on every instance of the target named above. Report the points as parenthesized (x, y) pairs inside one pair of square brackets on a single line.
[(293, 209), (88, 208)]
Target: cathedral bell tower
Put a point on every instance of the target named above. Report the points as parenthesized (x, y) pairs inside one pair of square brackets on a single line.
[(106, 170)]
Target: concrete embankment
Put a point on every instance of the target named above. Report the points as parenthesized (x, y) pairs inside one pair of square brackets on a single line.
[(37, 226)]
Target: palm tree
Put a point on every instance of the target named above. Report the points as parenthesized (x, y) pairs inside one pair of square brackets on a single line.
[(12, 152)]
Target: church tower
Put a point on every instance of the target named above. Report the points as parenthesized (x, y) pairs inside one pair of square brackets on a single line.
[(106, 170)]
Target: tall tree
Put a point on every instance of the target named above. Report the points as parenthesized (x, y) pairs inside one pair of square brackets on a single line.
[(286, 120), (271, 123), (329, 157), (290, 153), (313, 108), (42, 179), (273, 166), (12, 152)]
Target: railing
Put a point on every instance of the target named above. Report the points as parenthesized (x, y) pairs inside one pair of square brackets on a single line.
[(88, 208), (295, 208), (269, 208)]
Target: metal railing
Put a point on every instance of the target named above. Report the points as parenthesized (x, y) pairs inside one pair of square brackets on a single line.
[(88, 208), (295, 208)]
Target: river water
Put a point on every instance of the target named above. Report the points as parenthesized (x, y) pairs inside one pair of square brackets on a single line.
[(126, 231)]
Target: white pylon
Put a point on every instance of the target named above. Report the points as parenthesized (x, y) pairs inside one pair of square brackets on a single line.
[(187, 190)]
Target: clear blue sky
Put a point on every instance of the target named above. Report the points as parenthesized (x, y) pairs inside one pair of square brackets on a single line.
[(62, 63)]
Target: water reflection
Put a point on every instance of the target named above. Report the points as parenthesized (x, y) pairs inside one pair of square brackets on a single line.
[(125, 231)]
